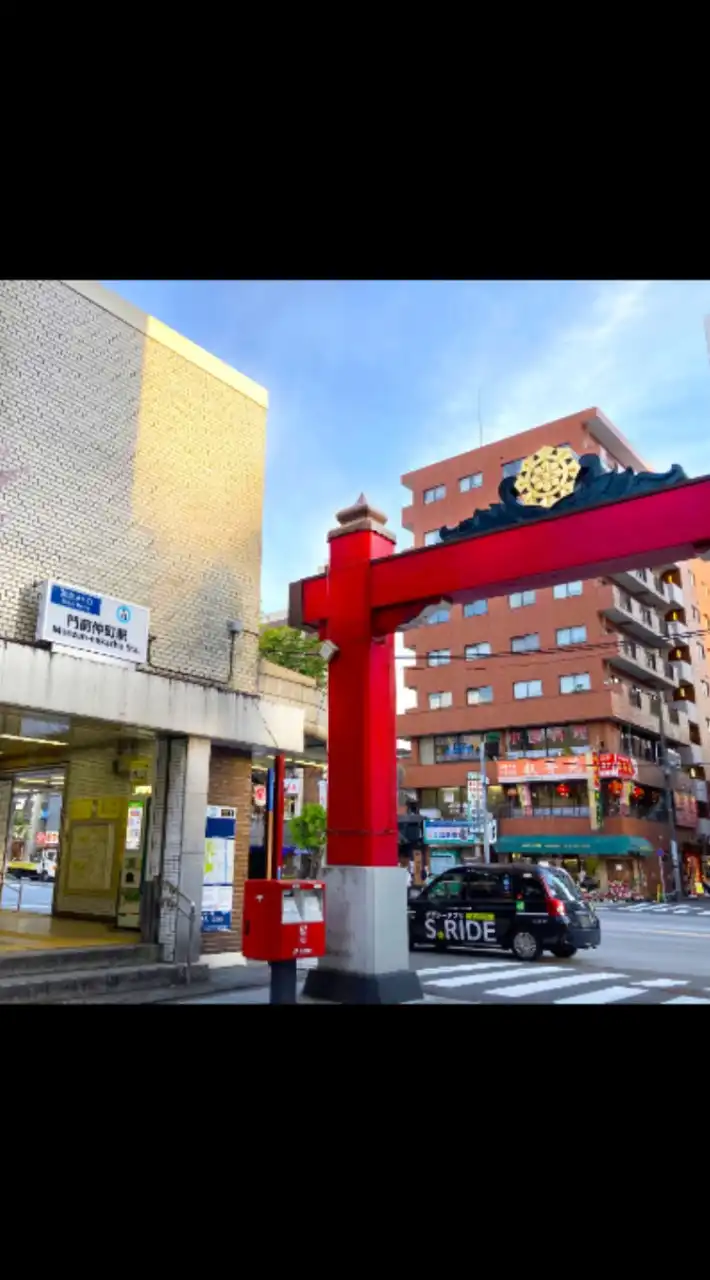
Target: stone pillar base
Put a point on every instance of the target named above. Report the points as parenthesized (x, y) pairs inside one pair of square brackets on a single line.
[(367, 957)]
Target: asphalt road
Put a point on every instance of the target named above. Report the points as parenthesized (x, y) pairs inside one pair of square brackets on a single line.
[(36, 895), (643, 959)]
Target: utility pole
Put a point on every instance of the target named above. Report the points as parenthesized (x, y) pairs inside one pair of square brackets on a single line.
[(670, 806), (484, 799)]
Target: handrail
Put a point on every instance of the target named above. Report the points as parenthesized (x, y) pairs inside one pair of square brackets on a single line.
[(169, 889), (17, 886)]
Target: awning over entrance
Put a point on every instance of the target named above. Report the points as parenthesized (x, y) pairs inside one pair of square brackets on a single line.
[(576, 846)]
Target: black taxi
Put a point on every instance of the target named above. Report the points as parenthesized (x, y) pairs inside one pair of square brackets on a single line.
[(519, 907)]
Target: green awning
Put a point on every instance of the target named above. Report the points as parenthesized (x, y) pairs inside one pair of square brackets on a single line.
[(577, 846)]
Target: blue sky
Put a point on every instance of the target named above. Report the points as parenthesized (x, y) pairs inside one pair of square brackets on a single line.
[(370, 379)]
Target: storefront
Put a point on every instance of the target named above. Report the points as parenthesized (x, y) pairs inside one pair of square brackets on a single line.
[(447, 844), (626, 859)]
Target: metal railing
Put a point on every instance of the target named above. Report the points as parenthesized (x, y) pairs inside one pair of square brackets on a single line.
[(17, 887), (173, 896)]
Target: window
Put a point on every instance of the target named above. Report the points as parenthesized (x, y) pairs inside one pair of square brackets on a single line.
[(532, 890), (483, 694), (439, 615), (520, 599), (435, 494), (437, 701), (512, 468), (448, 887), (475, 608), (482, 650), (701, 650), (691, 575), (706, 688), (525, 644), (485, 884), (527, 689), (696, 614), (471, 482), (576, 684), (459, 746), (432, 537), (561, 884), (565, 589), (572, 635), (439, 657)]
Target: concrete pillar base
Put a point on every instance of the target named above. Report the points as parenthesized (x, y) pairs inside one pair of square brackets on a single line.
[(367, 957)]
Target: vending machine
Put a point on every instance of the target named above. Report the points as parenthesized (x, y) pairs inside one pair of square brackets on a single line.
[(132, 865)]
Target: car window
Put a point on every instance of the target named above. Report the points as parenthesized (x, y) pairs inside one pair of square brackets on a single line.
[(482, 884), (448, 887), (531, 887), (561, 884)]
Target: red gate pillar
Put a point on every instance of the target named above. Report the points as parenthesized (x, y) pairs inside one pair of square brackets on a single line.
[(367, 952)]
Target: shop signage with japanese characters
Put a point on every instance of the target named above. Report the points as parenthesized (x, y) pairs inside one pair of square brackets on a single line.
[(105, 626)]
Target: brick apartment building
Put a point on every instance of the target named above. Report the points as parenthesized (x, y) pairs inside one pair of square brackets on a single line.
[(554, 675)]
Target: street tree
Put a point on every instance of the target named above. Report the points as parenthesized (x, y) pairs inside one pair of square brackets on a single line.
[(308, 832), (290, 648)]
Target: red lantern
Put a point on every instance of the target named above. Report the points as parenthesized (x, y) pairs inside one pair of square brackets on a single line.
[(616, 787), (562, 789), (637, 793)]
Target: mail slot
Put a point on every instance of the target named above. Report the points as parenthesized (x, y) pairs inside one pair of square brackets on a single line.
[(283, 919)]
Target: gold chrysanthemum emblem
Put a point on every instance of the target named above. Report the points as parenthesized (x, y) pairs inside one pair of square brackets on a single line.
[(547, 476)]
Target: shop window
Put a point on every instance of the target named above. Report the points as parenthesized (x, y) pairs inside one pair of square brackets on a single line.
[(525, 644), (475, 608), (482, 650), (439, 701), (466, 483), (476, 696), (455, 746), (572, 635), (436, 494), (520, 599), (527, 689), (565, 589), (580, 683), (432, 537)]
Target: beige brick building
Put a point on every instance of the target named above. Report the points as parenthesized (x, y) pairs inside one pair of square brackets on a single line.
[(133, 467)]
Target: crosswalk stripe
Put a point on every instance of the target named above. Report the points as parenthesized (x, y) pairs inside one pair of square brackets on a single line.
[(461, 968), (607, 995), (687, 1000), (554, 984), (681, 911), (662, 982), (472, 979)]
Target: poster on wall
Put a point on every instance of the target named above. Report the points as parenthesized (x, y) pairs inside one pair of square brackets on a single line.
[(218, 880)]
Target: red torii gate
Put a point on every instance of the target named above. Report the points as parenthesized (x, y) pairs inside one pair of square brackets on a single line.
[(608, 524)]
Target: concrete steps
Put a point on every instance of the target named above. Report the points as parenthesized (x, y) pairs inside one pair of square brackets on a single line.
[(68, 976)]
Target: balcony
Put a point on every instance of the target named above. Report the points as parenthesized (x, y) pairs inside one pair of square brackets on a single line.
[(678, 632), (644, 715), (683, 673), (675, 594), (636, 619), (645, 585), (692, 753), (648, 665)]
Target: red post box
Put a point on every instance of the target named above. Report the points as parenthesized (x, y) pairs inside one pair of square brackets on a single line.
[(283, 919)]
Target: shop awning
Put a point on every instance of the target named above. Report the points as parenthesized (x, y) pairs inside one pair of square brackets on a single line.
[(577, 846)]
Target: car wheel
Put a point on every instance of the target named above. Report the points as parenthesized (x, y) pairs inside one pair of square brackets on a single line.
[(525, 946), (565, 951)]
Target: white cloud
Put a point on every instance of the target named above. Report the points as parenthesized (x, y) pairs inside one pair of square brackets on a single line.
[(634, 349)]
